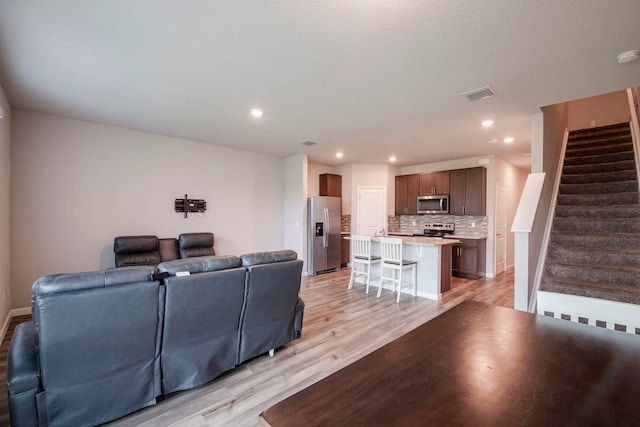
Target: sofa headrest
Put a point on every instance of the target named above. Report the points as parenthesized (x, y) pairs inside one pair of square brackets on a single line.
[(195, 240), (134, 244), (58, 283), (195, 245), (268, 257), (199, 264)]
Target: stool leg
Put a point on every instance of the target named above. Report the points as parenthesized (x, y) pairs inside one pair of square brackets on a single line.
[(367, 278), (353, 275), (399, 284)]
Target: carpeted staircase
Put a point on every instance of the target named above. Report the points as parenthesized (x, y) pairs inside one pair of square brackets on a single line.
[(594, 246)]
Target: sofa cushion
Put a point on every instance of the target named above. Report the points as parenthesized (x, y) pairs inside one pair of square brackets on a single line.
[(200, 335), (168, 248), (195, 245), (268, 257), (136, 250), (271, 308), (199, 264), (58, 283), (98, 344), (23, 380)]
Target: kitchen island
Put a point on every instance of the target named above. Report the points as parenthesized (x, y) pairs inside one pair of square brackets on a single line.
[(433, 256)]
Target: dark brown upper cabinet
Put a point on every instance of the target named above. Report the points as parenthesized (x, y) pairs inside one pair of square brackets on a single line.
[(330, 185), (407, 191), (468, 191), (433, 183)]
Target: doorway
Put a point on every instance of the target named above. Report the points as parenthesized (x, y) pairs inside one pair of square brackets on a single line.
[(501, 229), (371, 210)]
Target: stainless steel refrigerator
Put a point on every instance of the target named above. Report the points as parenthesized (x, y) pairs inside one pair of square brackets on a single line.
[(323, 234)]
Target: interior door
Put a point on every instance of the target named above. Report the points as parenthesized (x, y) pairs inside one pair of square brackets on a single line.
[(371, 210), (501, 228)]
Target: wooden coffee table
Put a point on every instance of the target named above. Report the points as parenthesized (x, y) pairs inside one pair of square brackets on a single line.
[(482, 365)]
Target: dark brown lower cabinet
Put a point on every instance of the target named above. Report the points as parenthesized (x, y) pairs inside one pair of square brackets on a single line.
[(468, 258), (345, 251)]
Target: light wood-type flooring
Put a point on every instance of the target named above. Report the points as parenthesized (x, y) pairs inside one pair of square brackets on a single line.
[(340, 326)]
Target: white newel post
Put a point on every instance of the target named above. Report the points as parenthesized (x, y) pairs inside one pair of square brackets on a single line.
[(522, 225)]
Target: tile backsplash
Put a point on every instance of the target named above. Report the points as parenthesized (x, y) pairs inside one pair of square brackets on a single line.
[(467, 225), (345, 223)]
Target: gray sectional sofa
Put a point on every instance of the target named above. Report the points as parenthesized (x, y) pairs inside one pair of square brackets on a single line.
[(105, 344)]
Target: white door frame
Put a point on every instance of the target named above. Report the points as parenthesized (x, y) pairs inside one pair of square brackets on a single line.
[(501, 189)]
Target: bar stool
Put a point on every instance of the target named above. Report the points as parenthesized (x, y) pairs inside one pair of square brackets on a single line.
[(361, 255), (391, 250)]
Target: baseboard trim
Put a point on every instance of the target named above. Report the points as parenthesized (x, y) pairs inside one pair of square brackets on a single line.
[(13, 313)]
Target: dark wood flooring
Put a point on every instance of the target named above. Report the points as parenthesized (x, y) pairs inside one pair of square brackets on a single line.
[(340, 327)]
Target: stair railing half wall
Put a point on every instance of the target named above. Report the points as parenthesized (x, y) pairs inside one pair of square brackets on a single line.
[(632, 95), (533, 300)]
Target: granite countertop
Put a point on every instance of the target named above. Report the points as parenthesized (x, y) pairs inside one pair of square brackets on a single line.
[(466, 236), (449, 236), (422, 241)]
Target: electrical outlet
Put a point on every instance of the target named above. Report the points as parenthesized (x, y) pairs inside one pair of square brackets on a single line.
[(593, 123)]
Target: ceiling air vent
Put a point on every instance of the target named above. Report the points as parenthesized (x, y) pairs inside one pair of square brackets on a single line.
[(481, 93), (308, 143)]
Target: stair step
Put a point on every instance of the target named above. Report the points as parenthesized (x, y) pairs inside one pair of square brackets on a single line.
[(595, 211), (608, 130), (619, 241), (599, 141), (585, 273), (599, 187), (597, 225), (599, 159), (599, 177), (618, 166), (606, 199), (592, 290), (581, 150), (582, 255)]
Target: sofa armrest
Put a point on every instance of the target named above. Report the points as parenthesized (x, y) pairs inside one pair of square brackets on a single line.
[(297, 321), (23, 381)]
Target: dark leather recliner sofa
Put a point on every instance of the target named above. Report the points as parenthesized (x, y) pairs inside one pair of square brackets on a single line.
[(151, 250), (105, 344)]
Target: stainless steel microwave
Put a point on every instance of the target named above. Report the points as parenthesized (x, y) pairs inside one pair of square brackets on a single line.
[(438, 204)]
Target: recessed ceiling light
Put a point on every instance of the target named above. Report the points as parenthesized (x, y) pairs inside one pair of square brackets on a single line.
[(508, 139), (339, 155), (392, 159), (628, 56), (257, 113), (487, 123)]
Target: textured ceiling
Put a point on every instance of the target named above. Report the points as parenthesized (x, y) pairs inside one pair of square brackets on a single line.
[(371, 78)]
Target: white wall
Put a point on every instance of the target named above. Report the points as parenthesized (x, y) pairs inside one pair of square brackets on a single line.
[(295, 204), (607, 109), (5, 229), (76, 185), (345, 172), (313, 181)]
